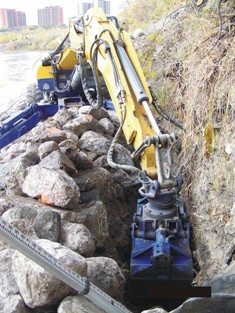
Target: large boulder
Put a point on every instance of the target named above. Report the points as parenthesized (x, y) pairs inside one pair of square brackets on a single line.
[(81, 124), (106, 274), (58, 160), (94, 184), (15, 171), (224, 282), (63, 116), (97, 178), (45, 222), (107, 126), (216, 304), (78, 238), (20, 212), (47, 225), (82, 161), (98, 114), (45, 131), (39, 288), (52, 187), (98, 145)]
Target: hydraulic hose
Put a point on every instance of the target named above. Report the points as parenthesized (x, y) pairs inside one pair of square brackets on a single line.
[(90, 96), (162, 113), (111, 163)]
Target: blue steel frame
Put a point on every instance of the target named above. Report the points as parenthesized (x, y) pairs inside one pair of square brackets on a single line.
[(21, 122), (161, 246)]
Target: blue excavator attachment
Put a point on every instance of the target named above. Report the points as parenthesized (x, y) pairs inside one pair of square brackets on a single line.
[(161, 263), (23, 121), (160, 237)]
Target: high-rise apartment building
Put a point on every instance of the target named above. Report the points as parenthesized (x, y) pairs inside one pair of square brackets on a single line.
[(10, 18), (50, 16), (83, 6)]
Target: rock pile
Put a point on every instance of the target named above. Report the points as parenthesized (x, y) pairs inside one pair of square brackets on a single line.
[(57, 188)]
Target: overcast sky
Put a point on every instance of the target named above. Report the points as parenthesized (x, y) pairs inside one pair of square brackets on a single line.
[(70, 7)]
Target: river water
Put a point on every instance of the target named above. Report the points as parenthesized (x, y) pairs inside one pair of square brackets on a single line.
[(16, 70)]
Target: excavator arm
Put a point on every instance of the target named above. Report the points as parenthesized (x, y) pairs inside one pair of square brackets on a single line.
[(160, 231), (109, 50)]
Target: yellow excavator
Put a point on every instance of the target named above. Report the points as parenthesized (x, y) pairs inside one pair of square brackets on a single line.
[(96, 64)]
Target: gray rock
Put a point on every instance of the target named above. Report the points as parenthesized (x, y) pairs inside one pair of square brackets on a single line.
[(43, 224), (26, 227), (70, 216), (71, 136), (90, 141), (46, 132), (19, 212), (14, 304), (4, 206), (81, 124), (98, 114), (224, 282), (216, 304), (78, 238), (122, 156), (15, 177), (95, 219), (5, 169), (13, 150), (52, 187), (32, 147), (96, 178), (106, 274), (90, 196), (69, 144), (40, 288), (47, 225), (46, 148), (124, 179), (102, 162), (107, 126), (7, 283), (98, 144), (78, 304), (82, 161), (58, 160), (113, 117), (63, 116)]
